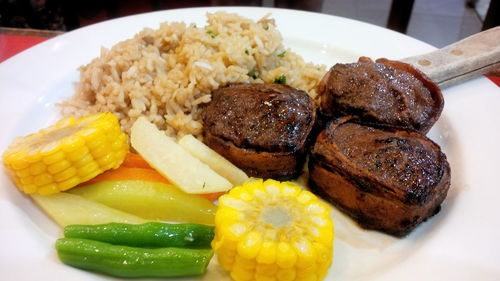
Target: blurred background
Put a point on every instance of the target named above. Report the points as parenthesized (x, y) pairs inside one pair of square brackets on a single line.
[(437, 22)]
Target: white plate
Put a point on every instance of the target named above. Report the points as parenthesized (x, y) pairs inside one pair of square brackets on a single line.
[(461, 243)]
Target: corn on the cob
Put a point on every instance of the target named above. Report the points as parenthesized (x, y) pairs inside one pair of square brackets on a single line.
[(63, 155), (267, 230)]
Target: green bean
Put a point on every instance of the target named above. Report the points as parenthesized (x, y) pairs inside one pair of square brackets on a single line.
[(130, 262), (151, 234)]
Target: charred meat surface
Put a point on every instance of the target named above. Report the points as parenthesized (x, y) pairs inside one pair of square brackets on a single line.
[(387, 92), (387, 178), (261, 128)]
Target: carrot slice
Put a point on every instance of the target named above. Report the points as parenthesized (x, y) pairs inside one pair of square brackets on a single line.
[(212, 196), (134, 160), (128, 173)]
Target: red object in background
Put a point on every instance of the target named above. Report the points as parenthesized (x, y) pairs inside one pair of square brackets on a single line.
[(13, 44), (495, 79)]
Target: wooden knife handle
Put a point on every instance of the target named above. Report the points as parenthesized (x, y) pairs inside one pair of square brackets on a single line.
[(473, 56)]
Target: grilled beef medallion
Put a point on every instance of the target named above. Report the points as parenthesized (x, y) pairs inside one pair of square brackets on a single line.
[(261, 128), (387, 178), (387, 92)]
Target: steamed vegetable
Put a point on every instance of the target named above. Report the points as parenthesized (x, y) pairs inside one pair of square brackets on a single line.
[(213, 159), (150, 200), (151, 234), (129, 262), (68, 209), (134, 160), (212, 196), (267, 230), (173, 162), (126, 173), (68, 153)]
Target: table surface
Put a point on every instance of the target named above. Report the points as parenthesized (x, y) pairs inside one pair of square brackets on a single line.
[(16, 40)]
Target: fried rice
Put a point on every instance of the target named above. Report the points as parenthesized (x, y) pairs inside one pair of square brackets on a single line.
[(167, 74)]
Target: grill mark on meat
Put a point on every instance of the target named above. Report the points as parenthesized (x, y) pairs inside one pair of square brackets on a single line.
[(260, 119), (401, 160), (381, 92), (387, 178)]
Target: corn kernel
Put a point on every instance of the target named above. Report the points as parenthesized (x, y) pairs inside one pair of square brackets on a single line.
[(119, 141), (29, 188), (77, 154), (18, 164), (306, 254), (228, 215), (266, 269), (42, 179), (53, 157), (37, 168), (248, 264), (228, 246), (24, 172), (272, 187), (247, 196), (288, 274), (70, 172), (58, 166), (69, 183), (250, 245), (290, 190), (309, 277), (305, 271), (93, 142), (241, 274), (259, 277), (49, 148), (234, 203), (33, 156), (27, 180), (286, 257), (236, 231), (99, 152), (48, 189), (267, 254), (90, 168), (88, 135), (72, 143), (323, 269), (305, 197), (316, 208), (226, 262), (84, 160), (323, 251), (104, 160), (90, 175)]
